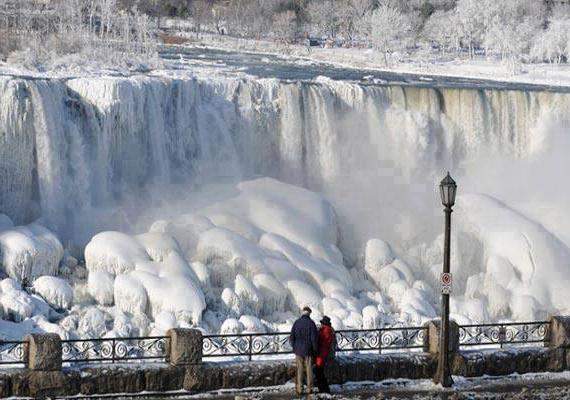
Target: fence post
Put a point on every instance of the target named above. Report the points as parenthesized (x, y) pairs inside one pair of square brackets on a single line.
[(184, 347), (558, 332), (431, 338), (42, 352)]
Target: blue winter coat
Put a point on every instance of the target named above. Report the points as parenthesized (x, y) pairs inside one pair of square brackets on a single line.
[(304, 337)]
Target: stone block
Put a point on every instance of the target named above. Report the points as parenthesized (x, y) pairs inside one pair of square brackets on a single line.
[(184, 347), (164, 379), (194, 378), (112, 380), (501, 362), (45, 384), (212, 377), (469, 363), (43, 352), (431, 340), (556, 361), (559, 332), (5, 386)]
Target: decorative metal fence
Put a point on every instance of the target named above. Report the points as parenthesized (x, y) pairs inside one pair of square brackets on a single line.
[(405, 338), (267, 344), (249, 345), (505, 334), (12, 352), (114, 350), (245, 345)]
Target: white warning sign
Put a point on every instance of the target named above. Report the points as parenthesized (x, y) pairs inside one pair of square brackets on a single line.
[(446, 280)]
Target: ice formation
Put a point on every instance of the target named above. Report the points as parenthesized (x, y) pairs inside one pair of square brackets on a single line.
[(28, 252), (173, 166), (55, 291)]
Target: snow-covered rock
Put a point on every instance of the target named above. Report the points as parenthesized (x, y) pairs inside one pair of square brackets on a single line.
[(252, 324), (231, 326), (17, 305), (27, 252), (377, 254), (249, 298), (55, 291), (130, 295), (101, 286), (165, 320), (114, 252), (274, 294), (92, 324), (371, 318)]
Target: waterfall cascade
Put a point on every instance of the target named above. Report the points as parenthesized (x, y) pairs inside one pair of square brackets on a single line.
[(68, 147)]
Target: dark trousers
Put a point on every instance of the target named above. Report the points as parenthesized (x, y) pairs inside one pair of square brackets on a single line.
[(322, 382)]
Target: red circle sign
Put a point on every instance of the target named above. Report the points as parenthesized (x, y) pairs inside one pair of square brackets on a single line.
[(446, 278)]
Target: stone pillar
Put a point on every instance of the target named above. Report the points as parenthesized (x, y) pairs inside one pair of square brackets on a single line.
[(43, 352), (184, 347), (559, 332), (431, 340)]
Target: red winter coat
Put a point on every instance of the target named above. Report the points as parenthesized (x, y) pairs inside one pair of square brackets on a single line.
[(326, 335)]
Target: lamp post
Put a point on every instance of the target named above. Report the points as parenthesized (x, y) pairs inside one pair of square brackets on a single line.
[(448, 189)]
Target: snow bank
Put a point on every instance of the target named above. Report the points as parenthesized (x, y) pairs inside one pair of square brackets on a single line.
[(27, 252)]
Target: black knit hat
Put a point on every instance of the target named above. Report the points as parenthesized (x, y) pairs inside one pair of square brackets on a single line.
[(326, 320)]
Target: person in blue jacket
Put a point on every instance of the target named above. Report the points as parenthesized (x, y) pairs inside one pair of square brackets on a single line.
[(305, 342)]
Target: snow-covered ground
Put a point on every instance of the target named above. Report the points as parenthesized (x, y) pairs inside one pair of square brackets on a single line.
[(528, 386)]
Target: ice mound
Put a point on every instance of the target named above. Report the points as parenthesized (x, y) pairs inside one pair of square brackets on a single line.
[(130, 294), (55, 291), (100, 287), (523, 268), (114, 252), (27, 252), (17, 305), (152, 275)]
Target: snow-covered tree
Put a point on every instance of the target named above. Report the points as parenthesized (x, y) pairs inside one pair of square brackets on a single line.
[(284, 25), (553, 44), (437, 30), (351, 15), (324, 17), (201, 12), (390, 29)]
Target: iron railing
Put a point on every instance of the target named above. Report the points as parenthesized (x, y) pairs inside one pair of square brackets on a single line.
[(505, 334), (393, 338), (12, 352), (249, 345), (245, 345), (114, 350), (267, 344)]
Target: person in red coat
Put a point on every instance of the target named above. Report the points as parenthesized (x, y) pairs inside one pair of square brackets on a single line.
[(327, 342)]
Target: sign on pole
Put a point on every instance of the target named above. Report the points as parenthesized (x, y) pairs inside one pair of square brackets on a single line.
[(446, 280)]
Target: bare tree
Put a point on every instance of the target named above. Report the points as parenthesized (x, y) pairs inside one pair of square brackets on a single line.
[(284, 25), (201, 11), (389, 29), (324, 16)]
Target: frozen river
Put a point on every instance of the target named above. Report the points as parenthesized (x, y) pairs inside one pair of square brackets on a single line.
[(295, 68)]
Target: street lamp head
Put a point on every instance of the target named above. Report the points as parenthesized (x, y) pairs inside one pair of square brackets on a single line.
[(448, 189)]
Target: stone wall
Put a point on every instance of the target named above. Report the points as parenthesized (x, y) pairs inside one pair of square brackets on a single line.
[(186, 371), (227, 375)]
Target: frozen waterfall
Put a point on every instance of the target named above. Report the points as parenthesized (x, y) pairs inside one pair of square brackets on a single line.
[(71, 147)]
